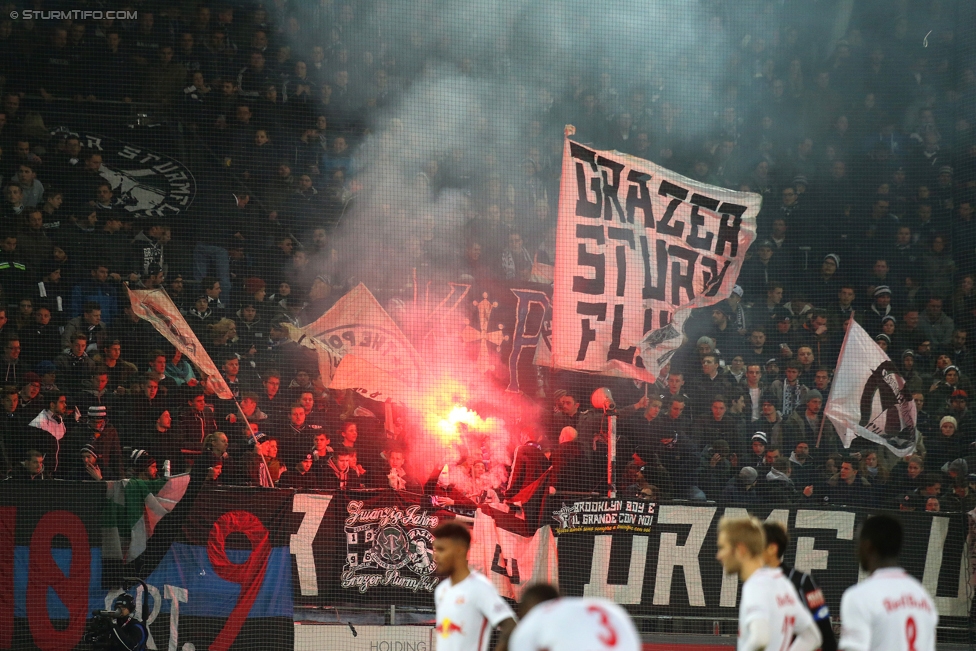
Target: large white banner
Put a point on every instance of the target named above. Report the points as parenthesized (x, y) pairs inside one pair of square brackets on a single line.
[(637, 247), (156, 307), (868, 397)]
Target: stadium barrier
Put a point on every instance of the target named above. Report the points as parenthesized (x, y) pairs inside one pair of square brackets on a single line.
[(231, 569)]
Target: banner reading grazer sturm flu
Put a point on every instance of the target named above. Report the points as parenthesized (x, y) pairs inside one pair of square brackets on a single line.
[(637, 248)]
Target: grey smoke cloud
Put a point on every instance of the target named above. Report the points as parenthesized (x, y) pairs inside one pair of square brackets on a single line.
[(478, 74)]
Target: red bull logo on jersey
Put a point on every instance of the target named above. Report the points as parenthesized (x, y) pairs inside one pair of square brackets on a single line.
[(447, 627), (785, 600)]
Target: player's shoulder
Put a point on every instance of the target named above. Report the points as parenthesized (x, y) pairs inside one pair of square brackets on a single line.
[(764, 578), (478, 581), (439, 590)]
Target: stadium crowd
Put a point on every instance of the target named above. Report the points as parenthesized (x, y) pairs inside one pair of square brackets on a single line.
[(863, 151)]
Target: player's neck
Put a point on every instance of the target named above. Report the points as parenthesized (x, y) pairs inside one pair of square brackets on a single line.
[(749, 567), (460, 573), (883, 564)]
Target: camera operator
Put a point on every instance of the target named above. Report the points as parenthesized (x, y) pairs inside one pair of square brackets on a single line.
[(128, 633)]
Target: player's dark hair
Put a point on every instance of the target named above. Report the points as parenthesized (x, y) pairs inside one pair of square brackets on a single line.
[(776, 534), (538, 593), (885, 535), (453, 531)]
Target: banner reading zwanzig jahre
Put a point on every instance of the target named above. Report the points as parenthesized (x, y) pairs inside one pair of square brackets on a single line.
[(637, 247)]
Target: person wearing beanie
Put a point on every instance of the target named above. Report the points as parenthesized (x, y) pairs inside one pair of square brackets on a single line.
[(738, 318), (142, 465), (825, 286), (958, 403), (741, 489), (88, 468), (880, 308), (105, 440), (945, 446)]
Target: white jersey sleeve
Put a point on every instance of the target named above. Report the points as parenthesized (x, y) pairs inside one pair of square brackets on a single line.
[(492, 606), (855, 630)]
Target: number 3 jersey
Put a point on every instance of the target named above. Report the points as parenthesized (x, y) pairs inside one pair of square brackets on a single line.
[(576, 624), (466, 613), (769, 595), (889, 610)]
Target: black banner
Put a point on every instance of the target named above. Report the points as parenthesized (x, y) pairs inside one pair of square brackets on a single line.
[(364, 547), (672, 569)]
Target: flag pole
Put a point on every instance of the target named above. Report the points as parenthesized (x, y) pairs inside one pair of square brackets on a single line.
[(823, 415)]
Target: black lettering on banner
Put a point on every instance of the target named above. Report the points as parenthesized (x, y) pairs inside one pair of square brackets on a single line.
[(682, 280), (615, 352), (499, 566), (652, 291), (663, 319), (624, 235), (610, 189), (664, 226), (712, 276), (729, 234), (639, 198), (584, 207), (598, 261), (599, 310), (703, 242)]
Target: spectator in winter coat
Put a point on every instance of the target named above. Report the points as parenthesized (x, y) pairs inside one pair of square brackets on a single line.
[(96, 289), (778, 489), (46, 433), (935, 324), (848, 488), (196, 422), (741, 489), (104, 438)]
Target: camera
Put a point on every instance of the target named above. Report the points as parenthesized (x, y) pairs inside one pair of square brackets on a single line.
[(98, 633)]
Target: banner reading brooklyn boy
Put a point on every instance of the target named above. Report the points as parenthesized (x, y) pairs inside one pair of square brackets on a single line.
[(637, 248)]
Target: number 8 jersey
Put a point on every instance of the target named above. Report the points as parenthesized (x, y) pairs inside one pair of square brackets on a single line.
[(576, 624), (889, 611)]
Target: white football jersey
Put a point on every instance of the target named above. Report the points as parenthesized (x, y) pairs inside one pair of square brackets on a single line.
[(574, 624), (467, 612), (890, 611), (769, 595)]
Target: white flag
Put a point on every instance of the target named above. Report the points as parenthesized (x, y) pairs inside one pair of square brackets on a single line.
[(510, 561), (156, 307), (868, 397), (637, 248)]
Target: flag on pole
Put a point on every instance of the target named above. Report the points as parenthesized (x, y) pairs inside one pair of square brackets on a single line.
[(156, 307), (357, 324), (868, 396), (637, 248)]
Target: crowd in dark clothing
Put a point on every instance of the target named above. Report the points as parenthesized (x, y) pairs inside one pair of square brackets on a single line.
[(863, 150)]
